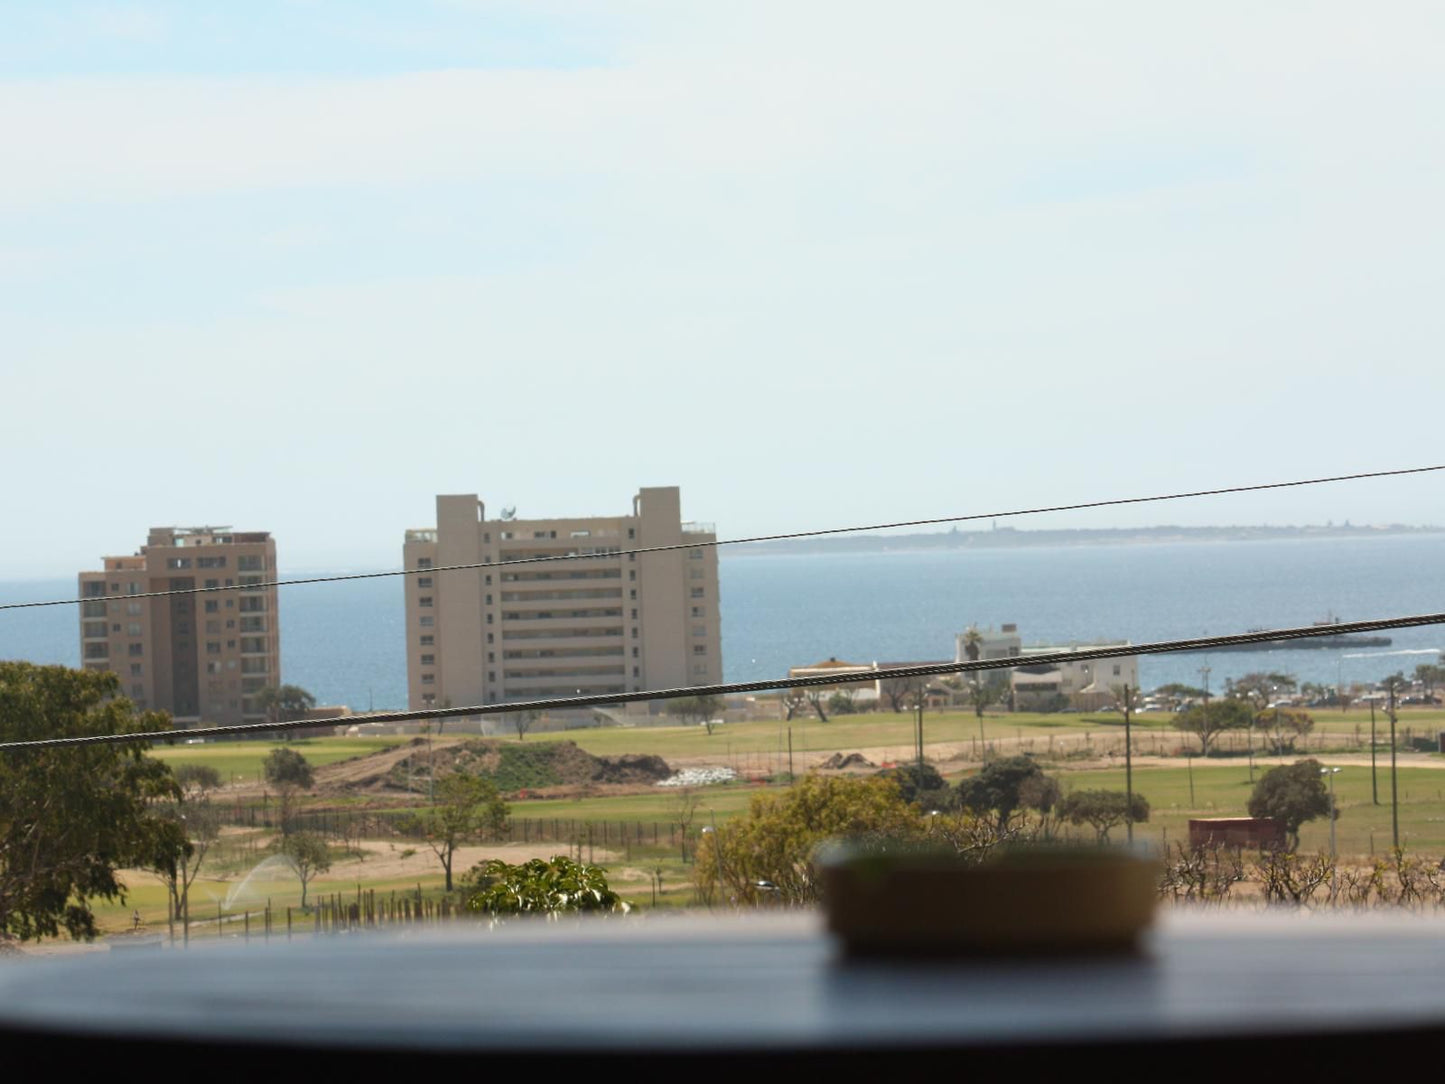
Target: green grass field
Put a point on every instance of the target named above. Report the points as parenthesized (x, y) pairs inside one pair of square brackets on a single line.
[(240, 761), (1221, 787)]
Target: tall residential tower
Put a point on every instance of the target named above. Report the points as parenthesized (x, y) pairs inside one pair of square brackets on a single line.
[(604, 622), (202, 656)]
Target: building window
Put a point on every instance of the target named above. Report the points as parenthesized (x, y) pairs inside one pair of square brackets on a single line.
[(699, 649), (135, 650), (94, 589), (694, 573), (213, 647), (637, 671), (113, 628), (210, 562), (491, 675), (699, 630), (133, 628), (92, 630), (634, 615), (178, 562), (97, 651), (694, 555), (428, 660), (428, 640), (132, 588), (252, 624), (249, 563), (212, 606), (423, 581), (133, 609), (697, 592), (252, 605), (135, 669), (698, 611), (489, 637), (425, 601), (212, 584), (632, 594), (423, 562), (92, 609), (213, 628), (426, 621)]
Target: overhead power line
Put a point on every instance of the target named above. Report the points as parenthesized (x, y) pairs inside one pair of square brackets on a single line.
[(1083, 654), (788, 536)]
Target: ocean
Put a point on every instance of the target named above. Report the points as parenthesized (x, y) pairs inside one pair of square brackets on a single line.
[(345, 641)]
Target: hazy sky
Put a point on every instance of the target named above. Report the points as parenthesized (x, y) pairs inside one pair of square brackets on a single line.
[(300, 266)]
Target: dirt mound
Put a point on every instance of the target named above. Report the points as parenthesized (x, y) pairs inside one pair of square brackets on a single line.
[(513, 766), (852, 760)]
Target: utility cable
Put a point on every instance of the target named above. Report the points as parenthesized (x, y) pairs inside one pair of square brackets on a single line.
[(1083, 654), (788, 536)]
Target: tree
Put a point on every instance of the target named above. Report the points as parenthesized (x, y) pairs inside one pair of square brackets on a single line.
[(1291, 794), (1006, 785), (814, 696), (72, 817), (922, 786), (197, 826), (522, 721), (843, 702), (466, 807), (697, 709), (309, 856), (284, 703), (1284, 726), (198, 778), (794, 701), (1103, 809), (538, 887), (972, 643), (902, 692), (985, 691), (1207, 721), (290, 773), (1430, 675), (773, 843), (1259, 690), (1176, 692)]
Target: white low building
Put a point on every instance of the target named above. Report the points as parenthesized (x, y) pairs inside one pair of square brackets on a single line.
[(1087, 684)]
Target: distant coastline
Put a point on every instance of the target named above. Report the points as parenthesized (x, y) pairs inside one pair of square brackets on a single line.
[(1016, 538)]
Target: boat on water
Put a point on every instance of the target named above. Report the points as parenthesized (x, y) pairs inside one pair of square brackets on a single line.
[(1311, 643)]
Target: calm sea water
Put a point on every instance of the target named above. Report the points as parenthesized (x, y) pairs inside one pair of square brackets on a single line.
[(345, 641)]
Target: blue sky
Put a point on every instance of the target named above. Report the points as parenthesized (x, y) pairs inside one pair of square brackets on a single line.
[(301, 266)]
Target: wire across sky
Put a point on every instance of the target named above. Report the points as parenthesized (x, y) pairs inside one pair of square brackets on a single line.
[(936, 521)]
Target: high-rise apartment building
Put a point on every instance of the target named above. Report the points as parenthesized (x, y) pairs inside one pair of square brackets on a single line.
[(202, 656), (607, 621)]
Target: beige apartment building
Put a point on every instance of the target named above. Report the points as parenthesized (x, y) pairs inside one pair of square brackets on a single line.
[(202, 656), (607, 621)]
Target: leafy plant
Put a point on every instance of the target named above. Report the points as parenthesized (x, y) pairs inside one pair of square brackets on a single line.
[(555, 887)]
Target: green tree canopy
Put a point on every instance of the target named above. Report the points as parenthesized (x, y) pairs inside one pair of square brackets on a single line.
[(922, 786), (774, 842), (72, 817), (286, 767), (1291, 794), (309, 856), (542, 887), (466, 807), (1006, 785), (1104, 810), (1207, 722), (283, 703)]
